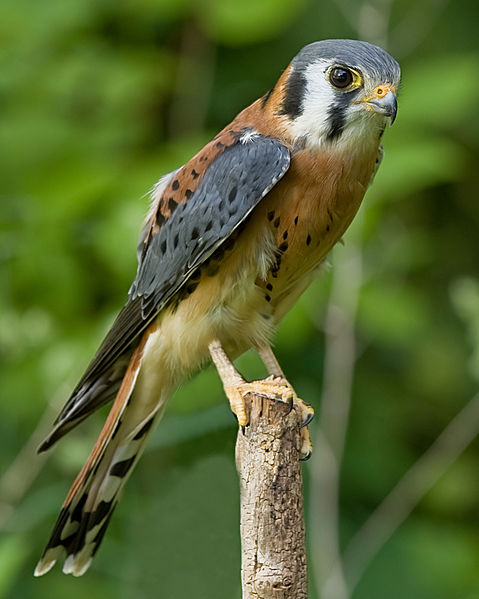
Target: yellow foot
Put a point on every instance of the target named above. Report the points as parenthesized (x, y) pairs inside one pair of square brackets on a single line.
[(278, 389)]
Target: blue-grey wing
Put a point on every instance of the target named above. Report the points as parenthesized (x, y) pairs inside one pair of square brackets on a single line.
[(232, 185)]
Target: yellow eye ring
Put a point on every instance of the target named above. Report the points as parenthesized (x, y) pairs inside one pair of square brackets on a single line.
[(344, 78)]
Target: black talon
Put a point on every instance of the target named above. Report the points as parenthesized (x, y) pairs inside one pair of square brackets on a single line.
[(243, 429), (290, 403), (306, 457), (307, 421)]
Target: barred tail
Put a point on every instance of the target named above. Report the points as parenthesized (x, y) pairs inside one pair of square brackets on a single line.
[(93, 496)]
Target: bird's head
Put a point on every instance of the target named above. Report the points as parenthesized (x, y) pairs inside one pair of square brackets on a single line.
[(338, 92)]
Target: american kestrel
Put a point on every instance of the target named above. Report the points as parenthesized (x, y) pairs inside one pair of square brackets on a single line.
[(231, 241)]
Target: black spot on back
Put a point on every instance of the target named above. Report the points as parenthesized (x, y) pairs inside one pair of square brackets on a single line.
[(172, 204), (160, 219)]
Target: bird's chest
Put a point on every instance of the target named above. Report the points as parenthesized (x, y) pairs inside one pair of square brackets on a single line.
[(307, 213)]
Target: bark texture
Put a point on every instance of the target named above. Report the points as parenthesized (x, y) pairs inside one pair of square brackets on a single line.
[(272, 524)]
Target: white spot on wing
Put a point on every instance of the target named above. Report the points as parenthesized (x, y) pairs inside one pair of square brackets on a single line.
[(249, 135)]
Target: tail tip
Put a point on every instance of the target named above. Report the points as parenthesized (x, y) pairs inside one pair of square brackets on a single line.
[(43, 567), (75, 565)]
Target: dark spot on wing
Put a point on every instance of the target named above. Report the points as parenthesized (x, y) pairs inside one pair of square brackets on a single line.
[(308, 239), (295, 220), (172, 204), (175, 185), (276, 222), (269, 287), (271, 215), (195, 174), (232, 194)]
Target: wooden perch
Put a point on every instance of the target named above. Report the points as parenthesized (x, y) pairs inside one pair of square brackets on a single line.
[(272, 525)]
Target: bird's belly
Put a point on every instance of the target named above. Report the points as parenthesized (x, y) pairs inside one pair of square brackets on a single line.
[(227, 305)]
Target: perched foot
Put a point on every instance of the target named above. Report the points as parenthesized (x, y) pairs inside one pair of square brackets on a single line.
[(276, 388)]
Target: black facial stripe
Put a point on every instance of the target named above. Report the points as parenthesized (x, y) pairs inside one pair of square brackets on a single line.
[(292, 104), (337, 121), (337, 113)]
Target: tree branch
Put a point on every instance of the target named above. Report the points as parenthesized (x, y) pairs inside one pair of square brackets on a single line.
[(272, 524)]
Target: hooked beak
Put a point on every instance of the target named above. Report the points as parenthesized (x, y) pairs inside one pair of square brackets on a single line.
[(383, 101)]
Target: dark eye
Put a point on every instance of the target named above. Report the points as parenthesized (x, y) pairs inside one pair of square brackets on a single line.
[(340, 77)]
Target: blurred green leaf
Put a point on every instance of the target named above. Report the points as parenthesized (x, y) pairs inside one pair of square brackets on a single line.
[(233, 23), (465, 299), (13, 550)]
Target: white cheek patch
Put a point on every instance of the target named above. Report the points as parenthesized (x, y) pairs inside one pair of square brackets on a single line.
[(314, 121), (313, 126)]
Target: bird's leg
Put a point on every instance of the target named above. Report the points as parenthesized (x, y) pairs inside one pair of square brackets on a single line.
[(305, 410), (231, 379), (236, 388), (275, 387)]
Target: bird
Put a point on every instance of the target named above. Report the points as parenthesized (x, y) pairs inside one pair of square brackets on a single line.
[(231, 241)]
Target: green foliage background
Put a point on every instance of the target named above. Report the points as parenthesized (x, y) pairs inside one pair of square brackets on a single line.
[(97, 100)]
